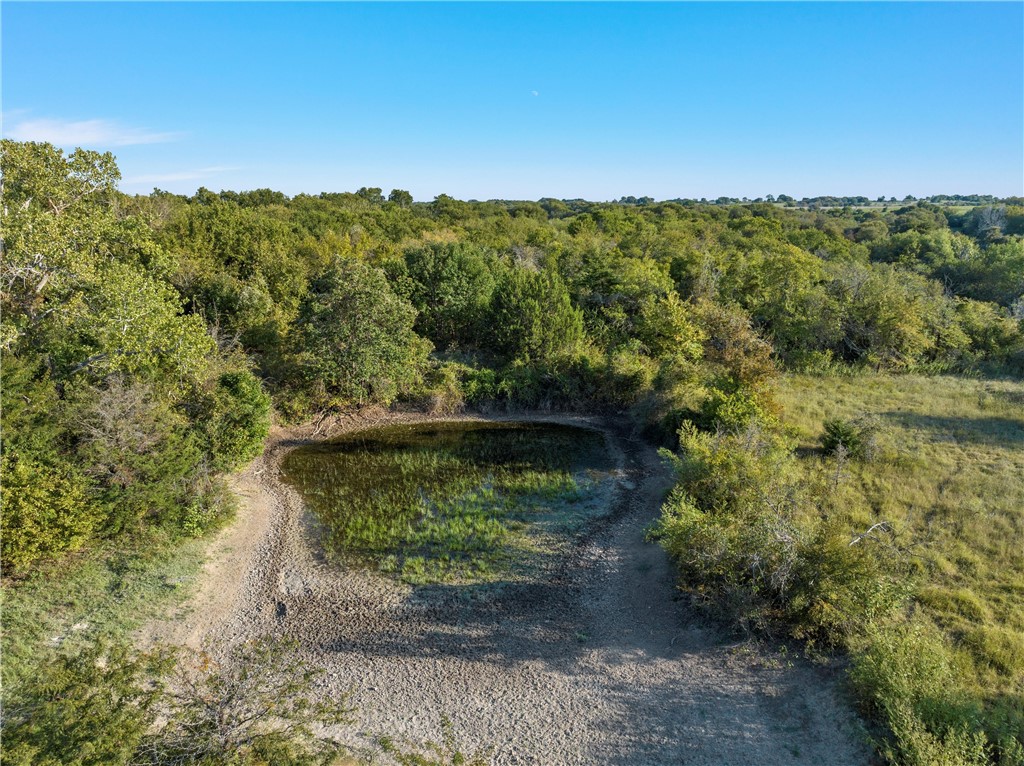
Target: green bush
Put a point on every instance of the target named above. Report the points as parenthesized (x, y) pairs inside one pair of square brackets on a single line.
[(733, 411), (906, 676), (442, 388), (141, 451), (113, 707), (450, 285), (357, 340), (91, 708), (479, 385), (236, 419), (45, 510), (628, 375), (750, 542), (533, 317), (857, 439)]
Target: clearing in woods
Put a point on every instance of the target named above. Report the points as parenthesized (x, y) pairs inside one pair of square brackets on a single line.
[(593, 659)]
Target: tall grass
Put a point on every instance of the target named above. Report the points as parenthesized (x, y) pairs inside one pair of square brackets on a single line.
[(947, 675)]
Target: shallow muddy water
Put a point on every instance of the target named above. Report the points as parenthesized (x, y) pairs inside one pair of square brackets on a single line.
[(464, 500)]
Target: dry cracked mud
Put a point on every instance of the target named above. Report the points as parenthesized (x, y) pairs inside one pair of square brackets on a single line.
[(597, 662)]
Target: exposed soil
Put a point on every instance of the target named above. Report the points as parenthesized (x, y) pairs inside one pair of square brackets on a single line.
[(598, 663)]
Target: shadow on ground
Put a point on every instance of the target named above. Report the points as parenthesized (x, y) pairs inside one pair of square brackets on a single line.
[(997, 431)]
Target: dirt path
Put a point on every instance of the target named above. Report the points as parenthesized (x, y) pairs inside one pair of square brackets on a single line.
[(598, 664)]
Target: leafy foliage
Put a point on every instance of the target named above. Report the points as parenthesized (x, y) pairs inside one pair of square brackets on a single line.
[(101, 366), (533, 318), (358, 338), (760, 547), (91, 708), (855, 439), (451, 287), (237, 418)]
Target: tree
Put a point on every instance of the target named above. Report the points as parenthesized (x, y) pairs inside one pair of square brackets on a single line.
[(357, 338), (54, 222), (90, 708), (138, 448), (372, 195), (667, 327), (120, 320), (235, 419), (451, 287), (732, 348), (400, 197), (533, 317), (110, 706)]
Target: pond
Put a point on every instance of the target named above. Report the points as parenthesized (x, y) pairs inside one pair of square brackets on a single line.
[(459, 501)]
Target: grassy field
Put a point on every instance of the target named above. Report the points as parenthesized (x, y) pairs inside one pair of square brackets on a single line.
[(949, 477), (102, 595)]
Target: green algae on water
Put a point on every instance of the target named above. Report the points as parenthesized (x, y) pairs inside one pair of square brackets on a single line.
[(462, 501)]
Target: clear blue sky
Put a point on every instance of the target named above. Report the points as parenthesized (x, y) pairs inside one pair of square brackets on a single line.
[(530, 100)]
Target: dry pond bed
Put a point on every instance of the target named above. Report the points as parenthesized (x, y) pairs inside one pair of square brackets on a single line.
[(589, 657)]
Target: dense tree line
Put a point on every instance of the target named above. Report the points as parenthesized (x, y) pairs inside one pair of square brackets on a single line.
[(145, 337), (119, 406)]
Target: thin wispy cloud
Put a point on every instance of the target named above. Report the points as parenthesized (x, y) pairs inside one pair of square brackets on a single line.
[(197, 174), (90, 134)]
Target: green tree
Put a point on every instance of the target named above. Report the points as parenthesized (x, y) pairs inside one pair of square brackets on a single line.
[(357, 338), (451, 288), (91, 708), (139, 449), (400, 197), (372, 195), (533, 317), (667, 327), (235, 418)]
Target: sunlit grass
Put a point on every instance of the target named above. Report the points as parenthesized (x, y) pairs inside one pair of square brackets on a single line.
[(103, 594), (950, 478)]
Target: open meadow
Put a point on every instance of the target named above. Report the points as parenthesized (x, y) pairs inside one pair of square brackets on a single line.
[(948, 476)]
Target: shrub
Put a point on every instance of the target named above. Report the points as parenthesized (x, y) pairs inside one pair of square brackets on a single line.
[(906, 676), (533, 317), (450, 285), (236, 419), (92, 708), (253, 707), (442, 389), (857, 439), (628, 375), (479, 385), (45, 510), (138, 448), (733, 411), (750, 540)]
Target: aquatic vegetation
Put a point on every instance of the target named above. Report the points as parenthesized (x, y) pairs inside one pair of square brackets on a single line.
[(453, 501)]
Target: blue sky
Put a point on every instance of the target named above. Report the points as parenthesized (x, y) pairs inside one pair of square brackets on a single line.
[(524, 100)]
